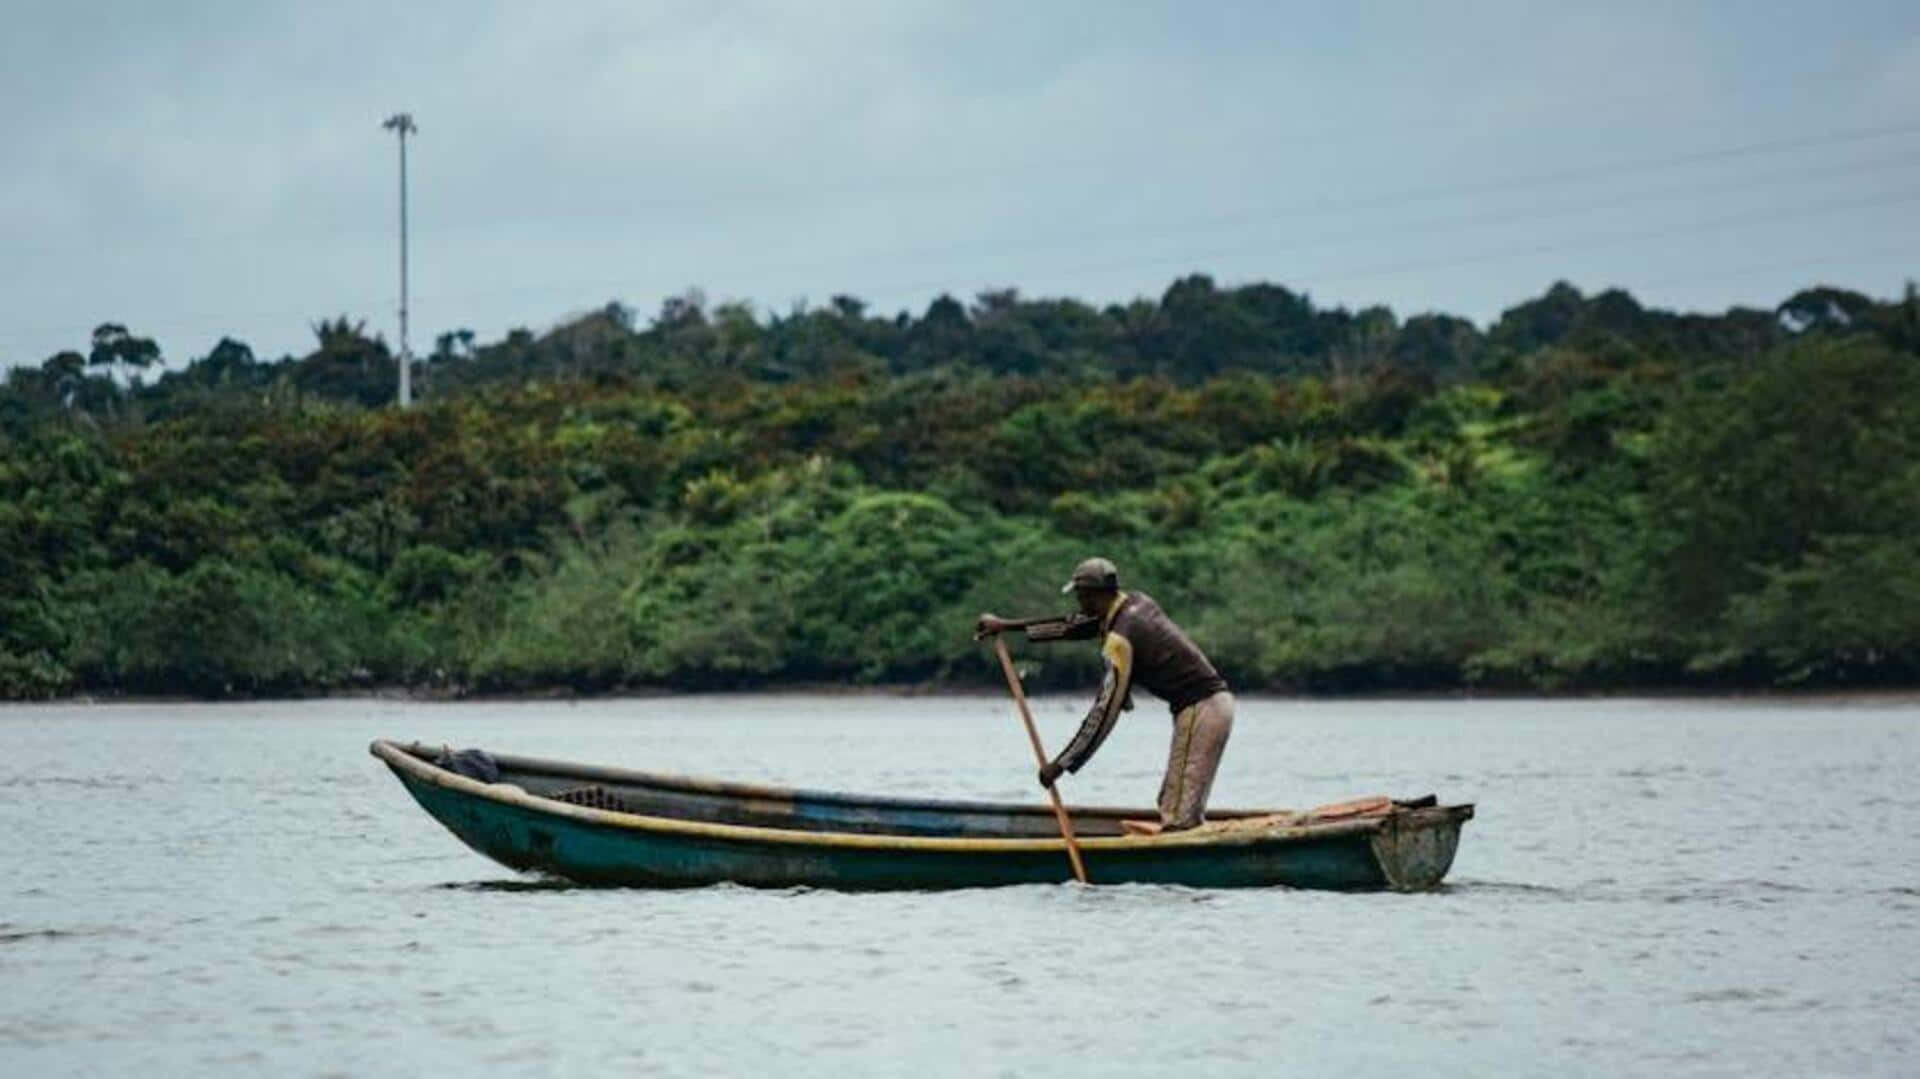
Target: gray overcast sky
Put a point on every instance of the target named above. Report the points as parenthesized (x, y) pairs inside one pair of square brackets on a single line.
[(200, 169)]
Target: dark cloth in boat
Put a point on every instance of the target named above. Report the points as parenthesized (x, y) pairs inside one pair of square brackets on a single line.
[(472, 763)]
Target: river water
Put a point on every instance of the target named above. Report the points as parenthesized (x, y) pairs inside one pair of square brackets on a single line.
[(1652, 887)]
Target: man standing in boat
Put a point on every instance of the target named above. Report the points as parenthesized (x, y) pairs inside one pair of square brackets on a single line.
[(1140, 644)]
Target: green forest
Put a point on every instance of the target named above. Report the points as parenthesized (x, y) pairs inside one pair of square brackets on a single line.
[(1585, 494)]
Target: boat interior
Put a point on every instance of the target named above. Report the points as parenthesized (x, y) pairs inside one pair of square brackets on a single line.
[(718, 802)]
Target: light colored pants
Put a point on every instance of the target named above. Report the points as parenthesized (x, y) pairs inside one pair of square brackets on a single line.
[(1199, 737)]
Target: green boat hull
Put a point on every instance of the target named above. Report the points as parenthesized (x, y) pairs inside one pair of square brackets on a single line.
[(777, 838)]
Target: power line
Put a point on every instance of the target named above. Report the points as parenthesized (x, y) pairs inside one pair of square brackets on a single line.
[(1505, 217), (1027, 166), (1902, 252), (1589, 243), (1768, 215), (1773, 146), (1559, 177), (1374, 202)]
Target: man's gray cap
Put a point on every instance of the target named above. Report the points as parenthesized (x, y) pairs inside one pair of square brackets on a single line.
[(1093, 573)]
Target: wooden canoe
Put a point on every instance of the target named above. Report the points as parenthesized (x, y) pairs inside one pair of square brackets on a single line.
[(611, 826)]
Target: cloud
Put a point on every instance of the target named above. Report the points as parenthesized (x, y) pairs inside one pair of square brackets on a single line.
[(202, 169)]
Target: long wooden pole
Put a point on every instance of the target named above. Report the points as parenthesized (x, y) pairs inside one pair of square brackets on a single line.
[(1040, 757)]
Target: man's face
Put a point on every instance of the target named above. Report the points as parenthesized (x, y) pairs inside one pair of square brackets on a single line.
[(1093, 600)]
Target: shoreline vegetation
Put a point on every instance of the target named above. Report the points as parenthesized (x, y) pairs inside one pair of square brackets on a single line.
[(1586, 496), (1894, 696)]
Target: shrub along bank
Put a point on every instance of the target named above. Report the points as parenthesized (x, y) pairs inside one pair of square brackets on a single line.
[(1574, 498)]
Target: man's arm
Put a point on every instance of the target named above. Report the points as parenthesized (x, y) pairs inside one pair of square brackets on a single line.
[(1072, 627), (1114, 687), (1042, 630)]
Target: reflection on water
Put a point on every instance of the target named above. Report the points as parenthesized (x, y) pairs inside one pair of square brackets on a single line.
[(1680, 887), (522, 884)]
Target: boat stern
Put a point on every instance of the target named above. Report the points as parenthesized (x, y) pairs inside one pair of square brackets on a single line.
[(1415, 846)]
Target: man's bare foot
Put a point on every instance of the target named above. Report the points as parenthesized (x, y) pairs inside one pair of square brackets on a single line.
[(1140, 827)]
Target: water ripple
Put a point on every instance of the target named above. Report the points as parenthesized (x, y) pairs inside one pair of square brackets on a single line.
[(272, 902)]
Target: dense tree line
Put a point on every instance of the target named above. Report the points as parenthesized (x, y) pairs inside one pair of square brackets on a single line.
[(1587, 493)]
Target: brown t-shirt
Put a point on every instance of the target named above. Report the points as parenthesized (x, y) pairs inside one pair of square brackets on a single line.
[(1165, 659), (1141, 645)]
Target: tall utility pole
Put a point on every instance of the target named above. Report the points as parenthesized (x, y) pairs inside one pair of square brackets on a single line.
[(401, 123)]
